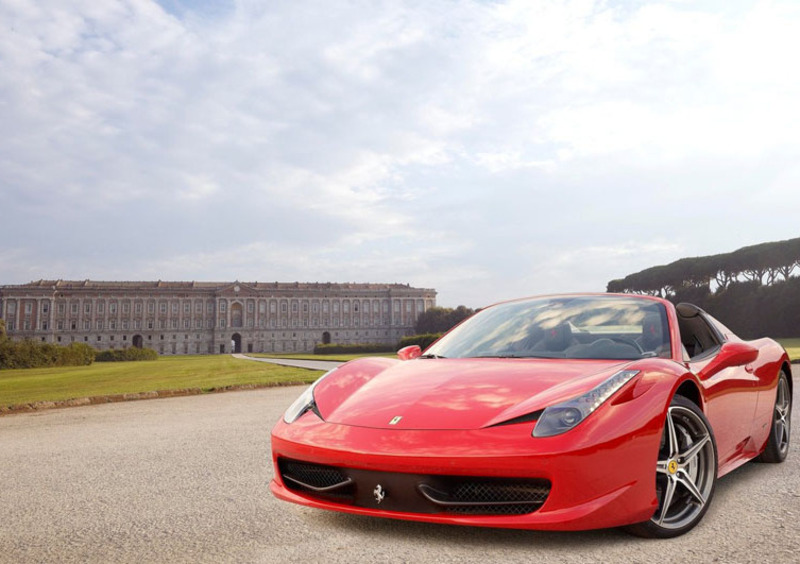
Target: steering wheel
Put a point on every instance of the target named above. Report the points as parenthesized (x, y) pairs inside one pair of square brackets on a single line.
[(629, 342)]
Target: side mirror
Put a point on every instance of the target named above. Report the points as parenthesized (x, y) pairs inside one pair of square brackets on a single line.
[(729, 355), (409, 353)]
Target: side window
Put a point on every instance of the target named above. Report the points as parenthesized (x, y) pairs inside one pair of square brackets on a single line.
[(699, 336)]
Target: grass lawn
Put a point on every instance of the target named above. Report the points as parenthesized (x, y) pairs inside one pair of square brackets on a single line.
[(172, 373), (166, 373), (311, 356), (792, 347)]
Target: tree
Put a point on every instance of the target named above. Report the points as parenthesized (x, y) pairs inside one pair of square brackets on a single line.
[(441, 319)]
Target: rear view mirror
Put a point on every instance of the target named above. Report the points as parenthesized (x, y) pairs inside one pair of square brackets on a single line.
[(729, 355), (409, 353)]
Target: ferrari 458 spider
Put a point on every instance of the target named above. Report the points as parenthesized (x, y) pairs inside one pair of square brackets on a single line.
[(559, 412)]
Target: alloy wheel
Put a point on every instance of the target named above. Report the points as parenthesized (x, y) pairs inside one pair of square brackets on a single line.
[(685, 471)]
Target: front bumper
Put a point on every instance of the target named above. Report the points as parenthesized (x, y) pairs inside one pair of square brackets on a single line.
[(598, 475)]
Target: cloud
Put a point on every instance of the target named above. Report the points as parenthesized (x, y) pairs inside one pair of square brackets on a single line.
[(483, 148)]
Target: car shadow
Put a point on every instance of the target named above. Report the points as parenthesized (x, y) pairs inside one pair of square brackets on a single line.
[(728, 489)]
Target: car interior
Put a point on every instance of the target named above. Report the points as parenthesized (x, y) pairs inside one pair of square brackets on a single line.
[(698, 337)]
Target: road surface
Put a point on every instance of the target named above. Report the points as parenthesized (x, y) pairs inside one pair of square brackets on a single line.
[(185, 480)]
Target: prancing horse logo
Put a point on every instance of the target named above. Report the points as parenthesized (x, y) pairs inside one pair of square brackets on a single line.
[(379, 493)]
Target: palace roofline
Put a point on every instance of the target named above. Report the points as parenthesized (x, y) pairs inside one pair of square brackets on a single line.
[(61, 284)]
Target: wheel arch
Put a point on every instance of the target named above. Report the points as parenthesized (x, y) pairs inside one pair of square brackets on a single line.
[(690, 390), (787, 369)]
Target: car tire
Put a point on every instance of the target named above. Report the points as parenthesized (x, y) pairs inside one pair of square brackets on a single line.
[(780, 431), (686, 472)]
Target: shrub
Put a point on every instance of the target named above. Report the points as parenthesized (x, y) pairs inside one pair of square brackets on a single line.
[(32, 354), (359, 348), (424, 341), (76, 354), (123, 355)]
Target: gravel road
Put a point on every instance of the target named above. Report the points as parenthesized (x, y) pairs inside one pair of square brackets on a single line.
[(308, 364), (185, 480)]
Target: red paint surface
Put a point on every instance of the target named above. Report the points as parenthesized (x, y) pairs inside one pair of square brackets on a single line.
[(602, 471)]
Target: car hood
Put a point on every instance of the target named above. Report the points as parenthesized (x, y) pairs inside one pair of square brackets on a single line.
[(458, 393)]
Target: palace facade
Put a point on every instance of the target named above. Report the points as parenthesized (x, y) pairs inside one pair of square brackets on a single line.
[(211, 317)]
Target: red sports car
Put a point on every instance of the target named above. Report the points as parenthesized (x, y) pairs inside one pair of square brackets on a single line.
[(558, 412)]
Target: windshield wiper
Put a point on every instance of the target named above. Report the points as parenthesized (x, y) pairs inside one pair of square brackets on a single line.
[(432, 356), (510, 356)]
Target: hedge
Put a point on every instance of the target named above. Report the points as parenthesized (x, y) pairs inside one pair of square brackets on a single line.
[(32, 354), (122, 355), (334, 348), (424, 341)]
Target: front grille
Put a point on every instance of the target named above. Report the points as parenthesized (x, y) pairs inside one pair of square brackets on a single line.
[(489, 496), (415, 493), (323, 481)]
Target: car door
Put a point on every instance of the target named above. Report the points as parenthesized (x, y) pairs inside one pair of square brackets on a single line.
[(730, 392)]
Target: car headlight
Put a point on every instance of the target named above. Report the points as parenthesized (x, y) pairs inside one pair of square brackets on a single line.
[(562, 417), (304, 403)]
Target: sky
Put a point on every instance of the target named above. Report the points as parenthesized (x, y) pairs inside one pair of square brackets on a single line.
[(487, 149)]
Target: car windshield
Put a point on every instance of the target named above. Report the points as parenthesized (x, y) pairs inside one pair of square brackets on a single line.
[(585, 327)]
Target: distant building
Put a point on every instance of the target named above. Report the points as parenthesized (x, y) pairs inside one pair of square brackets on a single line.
[(211, 317)]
